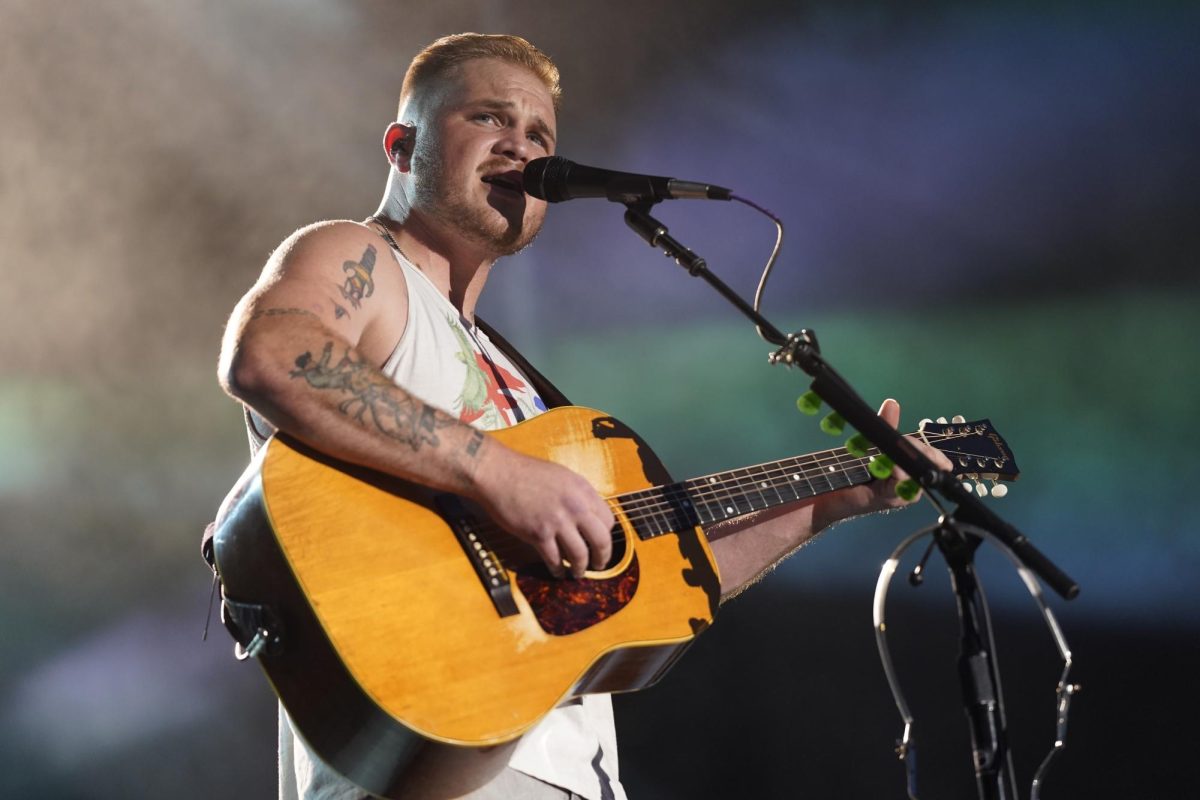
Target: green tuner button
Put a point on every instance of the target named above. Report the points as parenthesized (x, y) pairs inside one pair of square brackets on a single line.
[(857, 445), (908, 489), (808, 403), (833, 424), (880, 466)]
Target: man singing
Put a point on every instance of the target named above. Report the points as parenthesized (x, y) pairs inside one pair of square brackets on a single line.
[(359, 339)]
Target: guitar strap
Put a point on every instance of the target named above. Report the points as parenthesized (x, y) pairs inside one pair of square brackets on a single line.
[(550, 394)]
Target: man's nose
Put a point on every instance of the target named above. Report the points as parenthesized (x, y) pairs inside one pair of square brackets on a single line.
[(513, 144)]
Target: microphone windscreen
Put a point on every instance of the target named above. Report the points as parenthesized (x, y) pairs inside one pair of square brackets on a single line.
[(546, 178)]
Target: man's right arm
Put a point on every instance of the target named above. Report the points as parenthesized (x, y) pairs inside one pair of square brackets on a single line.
[(301, 349)]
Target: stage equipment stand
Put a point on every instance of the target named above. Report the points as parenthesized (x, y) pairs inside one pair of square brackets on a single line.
[(982, 698)]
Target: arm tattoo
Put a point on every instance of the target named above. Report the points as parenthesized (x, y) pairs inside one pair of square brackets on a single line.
[(396, 414), (359, 283), (473, 445)]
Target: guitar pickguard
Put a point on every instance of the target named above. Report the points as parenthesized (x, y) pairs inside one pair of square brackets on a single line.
[(564, 606)]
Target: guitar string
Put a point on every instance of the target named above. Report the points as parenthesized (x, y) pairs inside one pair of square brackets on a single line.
[(656, 505), (771, 477), (653, 504), (740, 479)]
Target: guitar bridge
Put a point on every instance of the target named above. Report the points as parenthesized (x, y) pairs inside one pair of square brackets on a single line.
[(491, 573)]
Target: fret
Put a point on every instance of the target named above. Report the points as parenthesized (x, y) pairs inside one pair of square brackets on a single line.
[(821, 476), (725, 500), (719, 498), (740, 493), (754, 484), (722, 496), (658, 521), (707, 517), (636, 507), (700, 492), (661, 510), (859, 474), (784, 484), (800, 477), (841, 478), (715, 498), (683, 513), (771, 482)]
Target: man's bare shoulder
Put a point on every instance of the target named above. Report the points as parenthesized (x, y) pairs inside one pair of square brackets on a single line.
[(323, 242), (340, 272)]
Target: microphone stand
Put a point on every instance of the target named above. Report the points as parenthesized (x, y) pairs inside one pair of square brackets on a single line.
[(982, 698)]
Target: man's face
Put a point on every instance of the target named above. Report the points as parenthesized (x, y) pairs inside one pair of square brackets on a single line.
[(479, 132)]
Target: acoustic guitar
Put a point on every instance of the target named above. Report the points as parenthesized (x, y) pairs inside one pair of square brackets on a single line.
[(387, 615)]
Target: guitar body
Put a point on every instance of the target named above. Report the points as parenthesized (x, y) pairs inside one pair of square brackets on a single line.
[(392, 639)]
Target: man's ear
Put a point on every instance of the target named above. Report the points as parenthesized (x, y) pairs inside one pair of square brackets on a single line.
[(398, 144)]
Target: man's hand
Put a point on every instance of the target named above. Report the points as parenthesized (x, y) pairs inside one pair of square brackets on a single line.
[(546, 505), (876, 495)]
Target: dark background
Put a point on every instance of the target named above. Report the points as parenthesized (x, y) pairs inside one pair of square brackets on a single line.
[(991, 211)]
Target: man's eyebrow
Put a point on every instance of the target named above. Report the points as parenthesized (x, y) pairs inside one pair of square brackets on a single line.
[(508, 105)]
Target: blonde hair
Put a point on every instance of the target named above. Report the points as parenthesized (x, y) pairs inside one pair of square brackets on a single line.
[(448, 52)]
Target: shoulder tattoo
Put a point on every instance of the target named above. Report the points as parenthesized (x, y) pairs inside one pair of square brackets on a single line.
[(359, 283)]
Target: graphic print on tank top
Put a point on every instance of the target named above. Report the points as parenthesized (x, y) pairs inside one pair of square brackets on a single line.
[(490, 392)]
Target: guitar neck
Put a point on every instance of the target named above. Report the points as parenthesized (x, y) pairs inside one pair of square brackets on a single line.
[(727, 495)]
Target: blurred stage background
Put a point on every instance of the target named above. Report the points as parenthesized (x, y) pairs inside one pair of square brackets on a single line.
[(991, 211)]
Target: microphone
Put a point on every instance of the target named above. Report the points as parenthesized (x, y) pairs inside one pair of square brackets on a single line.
[(556, 179)]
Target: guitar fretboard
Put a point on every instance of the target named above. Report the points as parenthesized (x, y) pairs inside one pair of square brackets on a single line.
[(726, 495)]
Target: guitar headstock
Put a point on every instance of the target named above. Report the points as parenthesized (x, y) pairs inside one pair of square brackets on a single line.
[(976, 451)]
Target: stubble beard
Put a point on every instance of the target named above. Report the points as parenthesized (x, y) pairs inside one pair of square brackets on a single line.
[(482, 225)]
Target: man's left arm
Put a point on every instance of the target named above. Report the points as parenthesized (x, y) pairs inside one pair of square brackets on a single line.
[(752, 546)]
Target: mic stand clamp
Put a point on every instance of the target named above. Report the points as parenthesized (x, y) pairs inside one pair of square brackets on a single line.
[(790, 354)]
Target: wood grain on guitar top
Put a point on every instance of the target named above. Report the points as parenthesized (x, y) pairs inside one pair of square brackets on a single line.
[(391, 588)]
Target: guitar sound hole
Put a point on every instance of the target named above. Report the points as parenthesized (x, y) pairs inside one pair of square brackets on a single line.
[(618, 551), (563, 606)]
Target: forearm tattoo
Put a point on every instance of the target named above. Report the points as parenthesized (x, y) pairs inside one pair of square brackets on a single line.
[(373, 400)]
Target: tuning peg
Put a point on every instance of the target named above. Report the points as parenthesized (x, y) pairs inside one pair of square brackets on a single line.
[(980, 489), (907, 489), (921, 425), (958, 419), (833, 424), (999, 489), (880, 466), (808, 403), (857, 445), (941, 420)]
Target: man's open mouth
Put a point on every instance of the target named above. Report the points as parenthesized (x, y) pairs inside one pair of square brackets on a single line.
[(509, 181)]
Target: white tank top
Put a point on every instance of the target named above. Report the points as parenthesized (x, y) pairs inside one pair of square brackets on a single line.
[(451, 364)]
